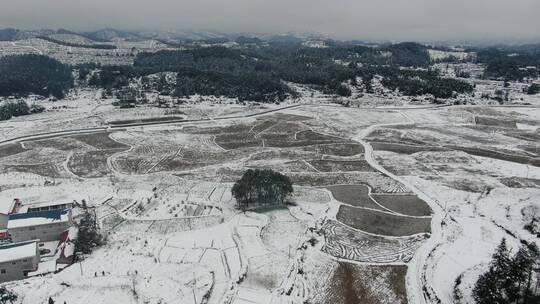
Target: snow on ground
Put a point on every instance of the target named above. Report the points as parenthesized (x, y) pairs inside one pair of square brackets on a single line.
[(174, 235), (438, 54)]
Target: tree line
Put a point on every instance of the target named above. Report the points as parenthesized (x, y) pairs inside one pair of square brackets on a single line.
[(510, 64), (11, 109), (79, 45), (510, 279)]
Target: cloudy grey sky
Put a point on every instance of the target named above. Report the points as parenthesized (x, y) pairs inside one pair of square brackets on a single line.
[(345, 19)]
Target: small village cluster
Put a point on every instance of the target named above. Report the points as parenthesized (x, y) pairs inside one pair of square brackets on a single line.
[(33, 232)]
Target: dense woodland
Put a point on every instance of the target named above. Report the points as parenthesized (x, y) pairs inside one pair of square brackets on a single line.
[(260, 71), (257, 73), (511, 63), (34, 74)]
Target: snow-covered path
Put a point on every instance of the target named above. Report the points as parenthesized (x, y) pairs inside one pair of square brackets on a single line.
[(415, 274)]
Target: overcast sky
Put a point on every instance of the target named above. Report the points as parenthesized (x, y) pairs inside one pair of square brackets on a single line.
[(344, 19)]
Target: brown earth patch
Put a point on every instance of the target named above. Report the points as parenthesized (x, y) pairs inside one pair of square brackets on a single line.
[(360, 284), (100, 141), (354, 195), (341, 165), (404, 204), (90, 164), (382, 223), (11, 149)]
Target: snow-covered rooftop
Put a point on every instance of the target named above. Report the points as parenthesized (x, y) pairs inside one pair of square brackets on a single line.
[(6, 206), (18, 251), (24, 208), (37, 218)]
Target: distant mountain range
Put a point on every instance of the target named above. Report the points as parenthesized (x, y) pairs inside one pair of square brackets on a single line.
[(172, 37), (106, 35)]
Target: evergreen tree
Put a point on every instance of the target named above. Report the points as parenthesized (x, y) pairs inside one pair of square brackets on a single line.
[(486, 290), (88, 237), (7, 296), (509, 279), (533, 89), (13, 109), (501, 258), (37, 74)]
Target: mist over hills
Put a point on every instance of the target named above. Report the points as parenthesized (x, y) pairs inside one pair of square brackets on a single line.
[(180, 36)]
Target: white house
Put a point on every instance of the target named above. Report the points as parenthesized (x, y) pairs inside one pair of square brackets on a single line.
[(18, 259), (44, 226)]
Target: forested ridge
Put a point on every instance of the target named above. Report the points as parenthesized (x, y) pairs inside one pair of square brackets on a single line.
[(252, 73), (258, 73), (37, 74)]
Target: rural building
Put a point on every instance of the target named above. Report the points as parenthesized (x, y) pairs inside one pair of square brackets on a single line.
[(45, 206), (7, 208), (17, 260), (66, 246), (44, 226)]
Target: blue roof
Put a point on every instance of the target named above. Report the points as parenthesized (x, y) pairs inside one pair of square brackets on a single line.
[(14, 245), (55, 214)]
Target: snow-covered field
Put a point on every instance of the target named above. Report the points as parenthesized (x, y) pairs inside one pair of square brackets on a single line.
[(162, 197)]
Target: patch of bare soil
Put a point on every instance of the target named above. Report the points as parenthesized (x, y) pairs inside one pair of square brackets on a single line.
[(60, 143), (532, 149), (495, 122), (231, 145), (177, 165), (354, 195), (386, 135), (337, 149), (288, 143), (359, 284), (404, 148), (289, 166), (10, 149), (532, 136), (46, 169), (341, 165), (379, 183), (100, 141), (520, 182), (311, 135), (506, 155), (288, 117), (90, 164), (382, 223), (404, 204)]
